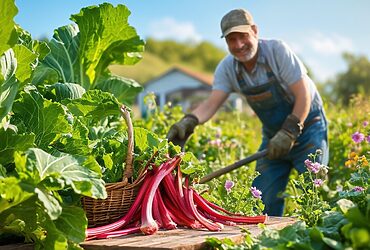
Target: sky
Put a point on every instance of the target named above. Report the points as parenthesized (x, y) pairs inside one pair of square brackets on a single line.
[(318, 31)]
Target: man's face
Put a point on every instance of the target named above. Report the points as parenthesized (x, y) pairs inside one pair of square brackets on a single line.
[(243, 46)]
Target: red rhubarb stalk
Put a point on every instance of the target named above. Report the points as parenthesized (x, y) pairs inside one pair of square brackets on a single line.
[(205, 222), (90, 232), (156, 213), (149, 226), (167, 222), (213, 205), (238, 219)]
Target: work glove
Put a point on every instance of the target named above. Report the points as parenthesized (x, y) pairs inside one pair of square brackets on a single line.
[(180, 131), (283, 141)]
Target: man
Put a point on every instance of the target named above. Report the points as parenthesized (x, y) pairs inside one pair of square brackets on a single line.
[(278, 89)]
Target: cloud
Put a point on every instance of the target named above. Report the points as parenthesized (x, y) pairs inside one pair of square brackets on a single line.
[(169, 28), (330, 44)]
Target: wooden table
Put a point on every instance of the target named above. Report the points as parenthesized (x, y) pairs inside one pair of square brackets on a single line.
[(184, 239)]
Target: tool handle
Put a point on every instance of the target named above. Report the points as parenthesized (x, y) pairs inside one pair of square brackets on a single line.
[(233, 166)]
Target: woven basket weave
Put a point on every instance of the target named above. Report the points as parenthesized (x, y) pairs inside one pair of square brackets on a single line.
[(120, 195)]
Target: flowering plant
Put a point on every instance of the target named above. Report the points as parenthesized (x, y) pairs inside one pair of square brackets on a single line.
[(309, 205)]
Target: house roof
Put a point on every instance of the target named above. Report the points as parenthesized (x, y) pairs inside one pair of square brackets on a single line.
[(204, 78)]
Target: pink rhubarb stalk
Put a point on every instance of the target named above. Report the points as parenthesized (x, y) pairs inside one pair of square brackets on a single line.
[(91, 232), (149, 226)]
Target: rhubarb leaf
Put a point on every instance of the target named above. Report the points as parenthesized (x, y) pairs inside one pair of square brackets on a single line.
[(94, 105), (11, 193), (11, 142), (36, 166), (73, 223), (82, 52), (61, 91), (106, 38), (124, 89), (46, 119), (7, 32), (8, 83)]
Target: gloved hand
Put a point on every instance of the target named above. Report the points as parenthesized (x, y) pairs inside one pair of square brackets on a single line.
[(283, 141), (180, 131)]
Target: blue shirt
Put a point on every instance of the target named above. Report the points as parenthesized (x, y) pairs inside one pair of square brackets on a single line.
[(285, 65)]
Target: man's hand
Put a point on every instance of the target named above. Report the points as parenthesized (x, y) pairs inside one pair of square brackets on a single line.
[(283, 141), (180, 131)]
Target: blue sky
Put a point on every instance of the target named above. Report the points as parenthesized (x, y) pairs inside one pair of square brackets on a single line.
[(319, 31)]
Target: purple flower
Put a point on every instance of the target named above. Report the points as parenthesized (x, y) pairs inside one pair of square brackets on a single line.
[(358, 137), (358, 189), (218, 133), (256, 193), (312, 166), (368, 138), (318, 182), (229, 185), (365, 123)]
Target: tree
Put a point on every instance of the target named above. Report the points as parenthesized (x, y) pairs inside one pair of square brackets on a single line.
[(356, 80)]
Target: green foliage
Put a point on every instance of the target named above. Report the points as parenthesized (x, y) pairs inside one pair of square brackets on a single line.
[(55, 114), (204, 56), (356, 80), (81, 52)]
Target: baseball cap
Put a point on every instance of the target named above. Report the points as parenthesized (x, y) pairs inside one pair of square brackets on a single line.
[(238, 20)]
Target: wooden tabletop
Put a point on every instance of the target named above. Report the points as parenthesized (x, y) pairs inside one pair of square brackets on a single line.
[(178, 239), (184, 239)]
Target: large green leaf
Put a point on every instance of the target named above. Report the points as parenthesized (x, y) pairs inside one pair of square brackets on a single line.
[(7, 32), (61, 91), (124, 89), (25, 62), (11, 142), (46, 119), (50, 203), (73, 223), (105, 38), (8, 83), (82, 53), (11, 193), (71, 171), (63, 58), (95, 105)]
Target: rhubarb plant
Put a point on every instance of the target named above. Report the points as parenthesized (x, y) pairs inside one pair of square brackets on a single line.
[(54, 104)]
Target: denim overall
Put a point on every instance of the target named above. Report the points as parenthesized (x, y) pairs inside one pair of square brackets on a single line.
[(272, 105)]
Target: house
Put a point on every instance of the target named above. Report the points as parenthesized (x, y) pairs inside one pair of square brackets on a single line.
[(180, 86)]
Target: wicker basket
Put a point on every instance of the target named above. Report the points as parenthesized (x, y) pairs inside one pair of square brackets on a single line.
[(120, 194)]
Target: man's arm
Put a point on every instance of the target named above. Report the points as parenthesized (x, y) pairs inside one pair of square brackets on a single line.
[(209, 107), (284, 139), (302, 95)]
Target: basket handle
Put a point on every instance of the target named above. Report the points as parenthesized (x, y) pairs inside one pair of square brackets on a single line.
[(130, 147)]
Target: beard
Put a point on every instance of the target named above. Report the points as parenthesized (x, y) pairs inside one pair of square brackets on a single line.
[(249, 53)]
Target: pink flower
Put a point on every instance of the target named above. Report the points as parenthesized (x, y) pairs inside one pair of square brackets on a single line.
[(365, 123), (256, 193), (358, 189), (312, 166), (216, 143), (229, 185), (318, 182), (368, 138), (358, 137)]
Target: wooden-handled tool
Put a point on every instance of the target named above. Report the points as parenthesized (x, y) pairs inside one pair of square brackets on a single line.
[(233, 166)]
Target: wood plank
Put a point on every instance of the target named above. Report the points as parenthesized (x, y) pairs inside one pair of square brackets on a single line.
[(178, 239), (181, 239)]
